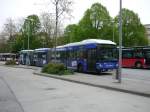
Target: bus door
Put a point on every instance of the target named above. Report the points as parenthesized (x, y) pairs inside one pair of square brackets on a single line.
[(91, 59)]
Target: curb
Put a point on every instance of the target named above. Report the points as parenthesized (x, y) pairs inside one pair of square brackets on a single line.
[(94, 85)]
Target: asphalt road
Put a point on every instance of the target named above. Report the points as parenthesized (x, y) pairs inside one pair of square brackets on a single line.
[(42, 94)]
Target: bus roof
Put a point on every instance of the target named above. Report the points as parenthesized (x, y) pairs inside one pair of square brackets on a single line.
[(97, 41), (90, 41), (42, 49), (24, 51), (59, 48), (73, 44)]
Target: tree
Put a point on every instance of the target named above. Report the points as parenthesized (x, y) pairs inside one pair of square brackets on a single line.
[(30, 28), (9, 28), (19, 24), (18, 43), (70, 33), (48, 24), (133, 30), (10, 32), (3, 44), (62, 7), (48, 28), (96, 23)]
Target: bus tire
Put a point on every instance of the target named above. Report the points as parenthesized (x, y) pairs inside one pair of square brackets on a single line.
[(138, 65), (80, 68)]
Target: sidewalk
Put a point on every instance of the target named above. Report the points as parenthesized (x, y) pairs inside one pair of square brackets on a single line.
[(137, 87), (132, 86)]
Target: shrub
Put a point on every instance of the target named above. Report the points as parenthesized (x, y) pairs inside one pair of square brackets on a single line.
[(10, 62), (56, 68)]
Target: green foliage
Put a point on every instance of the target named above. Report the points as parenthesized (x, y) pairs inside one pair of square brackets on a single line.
[(133, 30), (30, 29), (96, 23), (4, 48), (10, 62), (71, 32), (56, 68), (17, 43)]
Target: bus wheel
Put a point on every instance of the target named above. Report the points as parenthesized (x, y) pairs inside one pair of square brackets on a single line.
[(80, 68), (138, 65)]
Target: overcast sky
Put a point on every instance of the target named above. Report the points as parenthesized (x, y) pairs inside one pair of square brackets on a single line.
[(22, 8)]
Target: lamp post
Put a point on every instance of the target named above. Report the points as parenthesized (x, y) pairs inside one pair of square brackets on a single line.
[(113, 31), (28, 27), (120, 44)]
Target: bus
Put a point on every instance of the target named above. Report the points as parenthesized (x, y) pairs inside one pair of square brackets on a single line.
[(91, 55), (26, 57), (41, 56), (8, 56), (136, 57)]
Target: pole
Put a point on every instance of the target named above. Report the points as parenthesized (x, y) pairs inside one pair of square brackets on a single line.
[(113, 32), (28, 35), (120, 43), (56, 28)]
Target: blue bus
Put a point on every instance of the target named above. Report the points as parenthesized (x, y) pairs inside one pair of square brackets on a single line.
[(41, 56), (26, 57), (91, 55)]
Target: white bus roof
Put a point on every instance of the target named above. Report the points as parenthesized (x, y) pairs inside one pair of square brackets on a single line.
[(42, 49), (27, 50), (98, 41), (90, 41), (73, 44)]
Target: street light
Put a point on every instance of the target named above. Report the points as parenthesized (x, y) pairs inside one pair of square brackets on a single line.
[(28, 19), (120, 44), (113, 31)]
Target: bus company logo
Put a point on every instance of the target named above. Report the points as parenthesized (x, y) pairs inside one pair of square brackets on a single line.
[(109, 65)]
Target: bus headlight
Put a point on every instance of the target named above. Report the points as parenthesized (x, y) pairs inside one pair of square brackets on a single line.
[(99, 66)]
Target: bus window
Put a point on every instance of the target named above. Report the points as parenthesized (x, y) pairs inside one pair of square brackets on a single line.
[(138, 54), (148, 54), (107, 53), (127, 54)]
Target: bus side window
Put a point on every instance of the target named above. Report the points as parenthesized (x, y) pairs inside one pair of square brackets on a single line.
[(127, 54), (138, 54), (148, 55)]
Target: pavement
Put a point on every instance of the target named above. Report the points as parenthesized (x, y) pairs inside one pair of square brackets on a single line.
[(36, 93), (106, 81), (8, 101), (137, 87)]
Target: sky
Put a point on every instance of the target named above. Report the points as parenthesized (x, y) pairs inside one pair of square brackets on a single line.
[(17, 9)]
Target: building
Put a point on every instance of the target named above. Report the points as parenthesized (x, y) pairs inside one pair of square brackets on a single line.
[(147, 26)]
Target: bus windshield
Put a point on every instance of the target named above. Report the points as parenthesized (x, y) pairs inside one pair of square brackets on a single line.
[(107, 52)]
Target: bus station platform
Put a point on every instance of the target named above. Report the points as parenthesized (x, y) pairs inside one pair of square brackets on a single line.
[(106, 81)]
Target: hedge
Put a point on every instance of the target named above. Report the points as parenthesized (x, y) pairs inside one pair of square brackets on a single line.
[(56, 68)]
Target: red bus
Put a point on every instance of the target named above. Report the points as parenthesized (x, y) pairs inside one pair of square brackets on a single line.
[(136, 57)]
